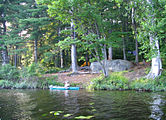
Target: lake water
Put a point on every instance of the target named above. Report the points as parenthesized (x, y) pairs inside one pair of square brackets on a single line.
[(102, 105)]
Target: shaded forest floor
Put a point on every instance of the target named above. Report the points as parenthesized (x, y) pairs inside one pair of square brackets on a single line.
[(83, 78)]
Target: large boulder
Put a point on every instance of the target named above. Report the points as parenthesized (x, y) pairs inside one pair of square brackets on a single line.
[(95, 67), (119, 65), (113, 65)]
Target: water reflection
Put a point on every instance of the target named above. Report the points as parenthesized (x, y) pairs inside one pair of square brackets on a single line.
[(156, 111), (106, 105), (14, 103)]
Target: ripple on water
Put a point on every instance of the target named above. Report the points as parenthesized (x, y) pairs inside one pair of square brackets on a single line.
[(116, 105)]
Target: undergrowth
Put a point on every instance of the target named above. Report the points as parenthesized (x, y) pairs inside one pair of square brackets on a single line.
[(116, 81), (30, 77)]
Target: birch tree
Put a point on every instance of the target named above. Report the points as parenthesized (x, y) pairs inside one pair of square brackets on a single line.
[(156, 65), (148, 34)]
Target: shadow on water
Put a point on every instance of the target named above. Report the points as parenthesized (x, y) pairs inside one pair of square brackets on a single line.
[(106, 105)]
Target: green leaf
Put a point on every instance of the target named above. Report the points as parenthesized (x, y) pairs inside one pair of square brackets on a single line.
[(84, 117), (93, 110), (91, 103), (51, 112), (56, 113), (44, 115), (68, 115)]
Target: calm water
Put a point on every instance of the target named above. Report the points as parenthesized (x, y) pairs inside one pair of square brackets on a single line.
[(103, 105)]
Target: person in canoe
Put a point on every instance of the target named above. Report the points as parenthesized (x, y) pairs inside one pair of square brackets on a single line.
[(67, 84)]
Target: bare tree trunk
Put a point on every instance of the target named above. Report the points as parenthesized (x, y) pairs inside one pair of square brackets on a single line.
[(4, 52), (124, 46), (73, 50), (61, 51), (136, 51), (135, 32), (124, 49), (35, 51), (110, 53), (105, 68), (104, 52), (61, 56), (15, 58), (5, 58), (87, 60), (156, 65)]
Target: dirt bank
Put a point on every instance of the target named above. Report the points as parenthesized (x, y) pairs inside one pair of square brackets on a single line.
[(83, 78)]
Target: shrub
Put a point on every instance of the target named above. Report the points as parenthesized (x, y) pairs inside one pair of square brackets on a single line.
[(35, 70), (8, 72), (26, 85), (45, 82), (53, 70), (115, 81), (158, 84), (6, 84)]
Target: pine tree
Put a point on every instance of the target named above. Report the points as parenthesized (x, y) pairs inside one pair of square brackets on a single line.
[(3, 12), (34, 22)]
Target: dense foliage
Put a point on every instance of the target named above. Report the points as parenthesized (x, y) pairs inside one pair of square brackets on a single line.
[(117, 81), (28, 77)]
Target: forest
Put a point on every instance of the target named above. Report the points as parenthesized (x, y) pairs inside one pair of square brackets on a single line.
[(48, 36)]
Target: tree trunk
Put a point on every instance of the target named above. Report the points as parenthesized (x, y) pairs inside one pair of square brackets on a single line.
[(105, 68), (110, 53), (156, 65), (73, 50), (61, 56), (124, 46), (104, 52), (87, 60), (5, 58), (136, 51), (135, 34), (61, 51), (35, 51), (4, 52), (73, 58), (124, 49), (15, 58)]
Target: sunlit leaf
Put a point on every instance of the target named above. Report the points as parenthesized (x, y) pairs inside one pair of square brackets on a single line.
[(44, 115), (84, 117), (68, 115), (93, 110), (91, 103), (51, 112), (56, 113)]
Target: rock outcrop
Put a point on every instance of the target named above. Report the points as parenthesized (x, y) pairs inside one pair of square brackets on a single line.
[(113, 65)]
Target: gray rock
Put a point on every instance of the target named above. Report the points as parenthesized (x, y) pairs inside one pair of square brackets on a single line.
[(113, 65), (95, 67), (119, 65)]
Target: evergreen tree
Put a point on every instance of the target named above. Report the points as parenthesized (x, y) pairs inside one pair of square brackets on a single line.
[(34, 22), (3, 12)]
